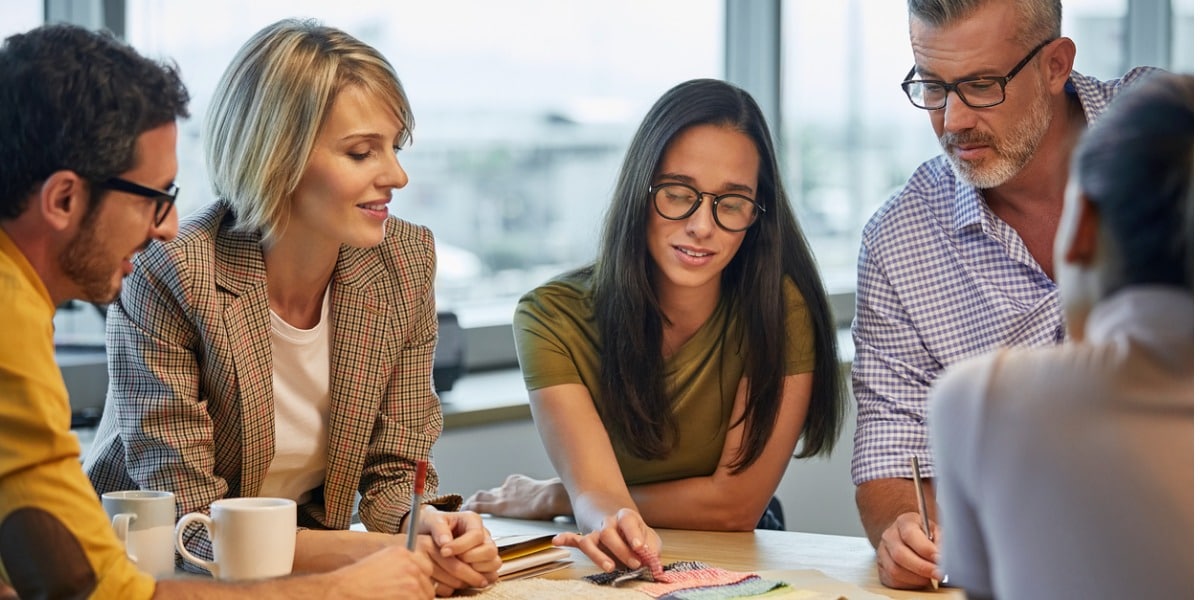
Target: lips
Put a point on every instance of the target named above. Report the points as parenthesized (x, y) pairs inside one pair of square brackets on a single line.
[(693, 253), (974, 152), (376, 210), (695, 257)]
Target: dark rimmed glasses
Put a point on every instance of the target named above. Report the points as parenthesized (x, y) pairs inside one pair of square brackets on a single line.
[(976, 92), (732, 212), (163, 199)]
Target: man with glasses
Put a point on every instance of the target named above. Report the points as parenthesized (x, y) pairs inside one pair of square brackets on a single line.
[(87, 144), (958, 262)]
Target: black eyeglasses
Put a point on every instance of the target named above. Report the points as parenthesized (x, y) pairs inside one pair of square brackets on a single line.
[(163, 199), (732, 212), (976, 92)]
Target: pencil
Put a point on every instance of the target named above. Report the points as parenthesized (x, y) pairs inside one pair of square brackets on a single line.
[(414, 512), (916, 477)]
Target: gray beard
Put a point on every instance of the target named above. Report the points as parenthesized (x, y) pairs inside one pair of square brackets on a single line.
[(1013, 152)]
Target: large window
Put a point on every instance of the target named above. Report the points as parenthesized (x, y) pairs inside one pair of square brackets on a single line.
[(523, 110)]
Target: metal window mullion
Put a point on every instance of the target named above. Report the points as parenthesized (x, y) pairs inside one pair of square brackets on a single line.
[(752, 54), (1148, 33)]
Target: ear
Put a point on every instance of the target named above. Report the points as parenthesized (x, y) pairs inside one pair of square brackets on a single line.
[(62, 199), (1059, 61), (1081, 249)]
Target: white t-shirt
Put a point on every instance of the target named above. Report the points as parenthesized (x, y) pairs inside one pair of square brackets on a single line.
[(300, 375)]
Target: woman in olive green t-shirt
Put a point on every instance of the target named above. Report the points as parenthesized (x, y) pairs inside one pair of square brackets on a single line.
[(672, 379)]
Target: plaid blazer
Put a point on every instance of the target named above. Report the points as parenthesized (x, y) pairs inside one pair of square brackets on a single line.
[(190, 406)]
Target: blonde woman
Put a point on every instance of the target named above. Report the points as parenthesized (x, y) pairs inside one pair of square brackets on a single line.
[(283, 344)]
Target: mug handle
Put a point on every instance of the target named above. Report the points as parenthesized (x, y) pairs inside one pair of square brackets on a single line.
[(187, 519), (120, 523)]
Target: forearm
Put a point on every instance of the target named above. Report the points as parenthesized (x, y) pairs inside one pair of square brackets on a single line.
[(713, 504), (318, 551), (307, 586), (880, 501)]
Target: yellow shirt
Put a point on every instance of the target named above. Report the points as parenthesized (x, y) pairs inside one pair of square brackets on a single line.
[(558, 343), (55, 539)]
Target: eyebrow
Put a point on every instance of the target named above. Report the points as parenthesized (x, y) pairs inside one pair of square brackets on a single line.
[(729, 186), (371, 136), (922, 73)]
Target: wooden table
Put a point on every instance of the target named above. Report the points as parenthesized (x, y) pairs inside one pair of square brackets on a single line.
[(845, 558)]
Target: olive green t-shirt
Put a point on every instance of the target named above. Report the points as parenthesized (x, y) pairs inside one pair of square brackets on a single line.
[(558, 343)]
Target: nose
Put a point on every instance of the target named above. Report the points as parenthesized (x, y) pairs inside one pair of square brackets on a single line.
[(395, 177), (701, 222), (169, 227), (956, 115)]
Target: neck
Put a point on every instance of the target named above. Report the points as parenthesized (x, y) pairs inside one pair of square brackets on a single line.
[(1040, 185), (298, 272), (685, 311), (36, 245)]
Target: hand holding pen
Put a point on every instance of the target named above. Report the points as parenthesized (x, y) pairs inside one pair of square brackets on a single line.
[(463, 552), (924, 510)]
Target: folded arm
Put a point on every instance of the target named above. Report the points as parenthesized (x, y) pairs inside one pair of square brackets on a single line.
[(724, 500)]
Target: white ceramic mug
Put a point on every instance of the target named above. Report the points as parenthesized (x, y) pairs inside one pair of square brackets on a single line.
[(252, 538), (144, 521)]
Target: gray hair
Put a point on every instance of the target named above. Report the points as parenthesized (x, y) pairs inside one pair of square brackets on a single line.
[(1041, 20)]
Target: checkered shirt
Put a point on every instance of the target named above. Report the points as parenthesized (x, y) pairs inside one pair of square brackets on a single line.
[(941, 278)]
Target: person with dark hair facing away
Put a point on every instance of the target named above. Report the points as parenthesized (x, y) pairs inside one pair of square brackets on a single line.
[(672, 379), (1067, 472), (957, 262), (87, 140)]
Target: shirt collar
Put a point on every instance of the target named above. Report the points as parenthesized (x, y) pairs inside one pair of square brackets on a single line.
[(1159, 317), (9, 248)]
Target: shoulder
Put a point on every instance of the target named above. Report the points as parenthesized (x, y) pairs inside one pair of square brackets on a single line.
[(195, 243), (406, 244), (929, 191), (1095, 95), (565, 290), (566, 298)]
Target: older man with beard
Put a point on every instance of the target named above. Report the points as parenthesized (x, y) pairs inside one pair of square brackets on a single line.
[(958, 262)]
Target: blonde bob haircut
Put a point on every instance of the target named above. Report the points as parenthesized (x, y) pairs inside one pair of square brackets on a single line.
[(269, 107)]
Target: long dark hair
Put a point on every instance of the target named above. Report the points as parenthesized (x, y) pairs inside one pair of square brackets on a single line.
[(633, 402)]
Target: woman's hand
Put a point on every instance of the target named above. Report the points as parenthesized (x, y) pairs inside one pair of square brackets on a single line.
[(522, 497), (460, 547), (622, 538)]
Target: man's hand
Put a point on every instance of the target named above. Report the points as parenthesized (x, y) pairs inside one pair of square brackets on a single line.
[(522, 497), (906, 558)]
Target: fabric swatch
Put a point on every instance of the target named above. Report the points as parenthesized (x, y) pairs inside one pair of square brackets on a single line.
[(687, 580)]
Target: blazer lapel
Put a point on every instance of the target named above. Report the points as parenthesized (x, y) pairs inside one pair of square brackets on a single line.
[(241, 274), (359, 366)]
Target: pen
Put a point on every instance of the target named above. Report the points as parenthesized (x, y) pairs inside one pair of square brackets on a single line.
[(414, 513), (916, 477)]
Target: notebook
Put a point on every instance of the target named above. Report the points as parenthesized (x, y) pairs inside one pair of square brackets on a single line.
[(529, 555)]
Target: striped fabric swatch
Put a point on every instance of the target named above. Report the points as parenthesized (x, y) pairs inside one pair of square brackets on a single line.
[(687, 580)]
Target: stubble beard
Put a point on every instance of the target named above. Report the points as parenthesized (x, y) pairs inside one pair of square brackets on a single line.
[(1013, 152), (84, 264)]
